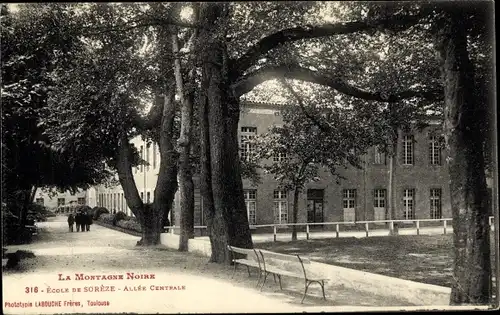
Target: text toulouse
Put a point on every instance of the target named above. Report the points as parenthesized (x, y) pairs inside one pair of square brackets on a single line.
[(126, 276)]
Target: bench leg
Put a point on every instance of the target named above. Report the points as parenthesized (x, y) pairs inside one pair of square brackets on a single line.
[(279, 278), (263, 281), (234, 270), (274, 277), (260, 277), (305, 291), (248, 269), (323, 289)]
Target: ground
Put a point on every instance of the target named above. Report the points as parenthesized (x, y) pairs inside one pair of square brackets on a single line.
[(208, 286), (422, 258)]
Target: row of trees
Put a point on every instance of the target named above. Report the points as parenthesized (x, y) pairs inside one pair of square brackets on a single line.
[(99, 62)]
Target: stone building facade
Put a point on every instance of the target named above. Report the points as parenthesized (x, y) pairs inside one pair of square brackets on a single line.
[(421, 182)]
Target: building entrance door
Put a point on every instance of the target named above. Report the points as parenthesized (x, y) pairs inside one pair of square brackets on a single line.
[(315, 206)]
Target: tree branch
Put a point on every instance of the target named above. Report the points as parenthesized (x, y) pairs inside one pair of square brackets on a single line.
[(246, 84), (274, 40), (302, 106)]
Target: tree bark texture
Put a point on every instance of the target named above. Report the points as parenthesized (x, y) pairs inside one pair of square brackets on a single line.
[(295, 212), (166, 185), (186, 185), (391, 189), (464, 146), (228, 219), (126, 178), (151, 217)]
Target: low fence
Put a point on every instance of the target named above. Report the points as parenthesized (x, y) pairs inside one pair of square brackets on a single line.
[(338, 229)]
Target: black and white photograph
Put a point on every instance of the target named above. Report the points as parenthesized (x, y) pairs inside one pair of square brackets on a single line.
[(249, 157)]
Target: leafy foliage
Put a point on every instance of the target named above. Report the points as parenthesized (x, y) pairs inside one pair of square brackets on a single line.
[(36, 40), (295, 152)]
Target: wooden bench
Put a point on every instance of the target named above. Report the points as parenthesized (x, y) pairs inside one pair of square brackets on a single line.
[(246, 257), (289, 265)]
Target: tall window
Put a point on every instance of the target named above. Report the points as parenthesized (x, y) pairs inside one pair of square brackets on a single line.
[(349, 205), (379, 204), (142, 196), (434, 150), (251, 204), (407, 150), (141, 150), (147, 155), (435, 203), (409, 204), (39, 201), (123, 203), (280, 207), (81, 201), (61, 202), (379, 156), (279, 156), (247, 149), (154, 155), (148, 197)]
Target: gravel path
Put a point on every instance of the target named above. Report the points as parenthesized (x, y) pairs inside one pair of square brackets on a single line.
[(183, 282)]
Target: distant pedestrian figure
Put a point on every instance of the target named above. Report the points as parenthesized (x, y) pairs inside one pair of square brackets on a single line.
[(71, 221), (87, 220), (78, 221)]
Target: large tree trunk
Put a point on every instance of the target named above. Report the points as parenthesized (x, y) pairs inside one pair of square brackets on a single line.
[(166, 185), (391, 203), (151, 217), (126, 178), (184, 143), (228, 219), (206, 169), (295, 212), (464, 145), (187, 202)]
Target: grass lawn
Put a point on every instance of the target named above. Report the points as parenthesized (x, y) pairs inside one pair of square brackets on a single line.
[(424, 258)]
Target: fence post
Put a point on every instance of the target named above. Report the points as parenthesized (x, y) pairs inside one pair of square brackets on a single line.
[(307, 231), (337, 230), (391, 228), (366, 228), (274, 232), (444, 226), (418, 227)]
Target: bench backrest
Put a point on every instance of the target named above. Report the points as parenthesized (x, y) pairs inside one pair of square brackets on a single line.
[(291, 263), (244, 253)]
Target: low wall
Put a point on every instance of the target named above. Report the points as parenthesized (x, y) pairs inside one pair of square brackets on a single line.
[(201, 247), (117, 228), (416, 293)]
